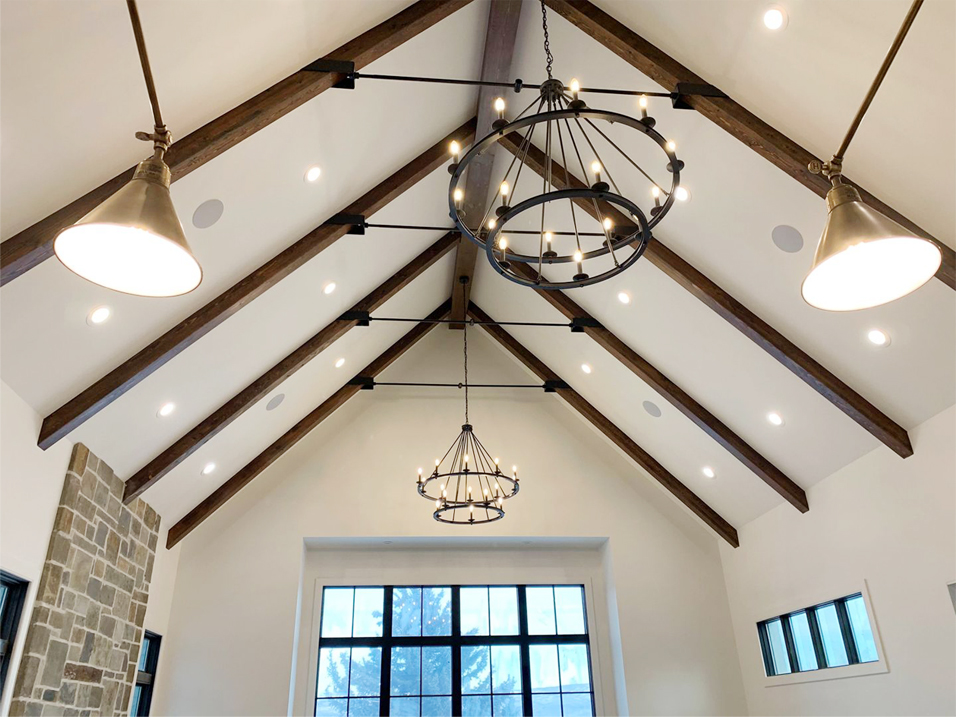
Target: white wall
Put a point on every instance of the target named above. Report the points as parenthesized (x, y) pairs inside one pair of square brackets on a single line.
[(233, 625), (31, 481), (883, 520)]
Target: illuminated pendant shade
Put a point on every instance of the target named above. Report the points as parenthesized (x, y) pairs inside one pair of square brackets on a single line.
[(865, 259), (133, 242)]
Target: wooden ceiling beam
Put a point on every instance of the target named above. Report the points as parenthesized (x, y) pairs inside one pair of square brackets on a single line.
[(744, 320), (680, 399), (89, 402), (270, 455), (768, 142), (33, 245), (245, 399), (686, 496), (503, 18)]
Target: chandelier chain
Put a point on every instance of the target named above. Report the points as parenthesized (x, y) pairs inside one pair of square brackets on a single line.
[(547, 44)]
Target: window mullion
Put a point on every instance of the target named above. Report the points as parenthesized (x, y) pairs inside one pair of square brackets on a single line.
[(817, 638), (765, 649), (385, 684), (852, 655), (456, 650), (525, 651), (788, 640)]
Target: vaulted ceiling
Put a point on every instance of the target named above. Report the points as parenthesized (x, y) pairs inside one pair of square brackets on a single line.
[(72, 97)]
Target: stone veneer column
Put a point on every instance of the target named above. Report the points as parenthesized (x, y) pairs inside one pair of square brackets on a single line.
[(85, 631)]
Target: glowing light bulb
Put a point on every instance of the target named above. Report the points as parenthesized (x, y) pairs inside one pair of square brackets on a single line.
[(548, 237), (504, 189), (708, 471), (503, 242), (454, 148), (642, 102), (437, 462), (514, 469), (486, 492), (419, 471), (458, 195), (492, 223), (438, 503), (208, 468), (329, 288), (499, 104), (656, 192), (466, 458), (496, 461), (671, 146), (340, 363), (313, 173), (575, 87), (624, 297), (681, 194), (596, 166), (878, 337), (608, 224), (167, 409), (774, 19), (775, 418), (98, 315), (578, 256)]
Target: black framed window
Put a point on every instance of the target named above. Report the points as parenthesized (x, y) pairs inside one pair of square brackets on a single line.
[(831, 634), (13, 593), (433, 651), (145, 674)]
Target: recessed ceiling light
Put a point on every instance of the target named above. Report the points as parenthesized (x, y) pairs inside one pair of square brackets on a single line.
[(585, 368), (682, 194), (207, 214), (275, 401), (652, 409), (340, 363), (329, 288), (878, 337), (98, 315), (708, 471), (775, 418), (775, 18), (208, 468), (624, 297), (787, 239), (166, 409), (313, 173)]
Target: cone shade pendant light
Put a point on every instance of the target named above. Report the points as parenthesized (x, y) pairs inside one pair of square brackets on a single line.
[(865, 259), (134, 242)]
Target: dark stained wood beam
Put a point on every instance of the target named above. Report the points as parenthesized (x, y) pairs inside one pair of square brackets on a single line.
[(748, 323), (678, 397), (33, 245), (241, 402), (686, 496), (495, 67), (270, 455), (121, 379), (768, 142)]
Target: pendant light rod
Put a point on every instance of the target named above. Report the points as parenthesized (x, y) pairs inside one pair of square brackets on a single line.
[(160, 126), (877, 81), (418, 227)]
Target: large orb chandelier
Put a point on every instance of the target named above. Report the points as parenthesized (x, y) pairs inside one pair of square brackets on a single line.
[(584, 232), (470, 489)]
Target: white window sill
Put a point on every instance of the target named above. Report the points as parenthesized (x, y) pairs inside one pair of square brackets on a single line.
[(829, 673)]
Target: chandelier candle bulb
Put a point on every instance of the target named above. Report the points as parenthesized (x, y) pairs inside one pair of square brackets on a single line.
[(504, 189), (455, 150), (672, 146), (575, 88), (459, 196), (492, 223), (642, 103), (500, 107), (596, 168)]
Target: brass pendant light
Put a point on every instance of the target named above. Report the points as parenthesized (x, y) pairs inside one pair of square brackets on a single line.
[(865, 259), (134, 242)]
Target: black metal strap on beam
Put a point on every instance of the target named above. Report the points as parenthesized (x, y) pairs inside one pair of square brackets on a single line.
[(362, 318), (355, 222), (579, 324), (367, 383), (692, 89), (554, 385), (341, 67)]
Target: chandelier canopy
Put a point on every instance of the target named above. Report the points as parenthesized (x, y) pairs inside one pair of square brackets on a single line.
[(584, 231)]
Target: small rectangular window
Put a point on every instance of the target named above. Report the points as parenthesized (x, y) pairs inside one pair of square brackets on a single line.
[(13, 593), (145, 675), (831, 634)]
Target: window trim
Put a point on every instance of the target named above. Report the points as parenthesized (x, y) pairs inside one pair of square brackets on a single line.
[(809, 600), (525, 576), (10, 629)]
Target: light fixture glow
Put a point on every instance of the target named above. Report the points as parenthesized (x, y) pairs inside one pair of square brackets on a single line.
[(608, 224), (672, 146), (585, 368), (454, 148), (775, 18), (492, 223), (642, 102), (624, 297), (504, 189), (878, 337), (708, 471), (548, 237), (499, 104), (340, 363), (313, 173), (329, 288), (775, 418), (656, 192), (166, 409), (98, 315), (503, 242), (574, 86), (596, 167), (578, 256), (682, 194), (208, 468)]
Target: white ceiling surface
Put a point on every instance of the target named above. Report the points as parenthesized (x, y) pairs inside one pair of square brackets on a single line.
[(49, 353)]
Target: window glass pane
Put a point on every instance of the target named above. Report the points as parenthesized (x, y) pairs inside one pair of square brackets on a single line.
[(508, 706), (569, 605), (137, 696), (546, 705), (337, 612), (436, 706), (368, 612), (406, 671), (333, 672), (476, 706), (363, 708), (331, 708), (505, 669), (832, 637), (474, 611), (366, 676), (143, 654), (574, 668), (504, 611), (541, 610), (578, 705), (436, 670), (407, 612), (403, 706), (544, 669), (475, 670), (778, 648), (437, 611), (803, 641), (860, 626)]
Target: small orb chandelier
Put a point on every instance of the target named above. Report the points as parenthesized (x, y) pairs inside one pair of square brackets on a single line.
[(545, 224), (472, 488)]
